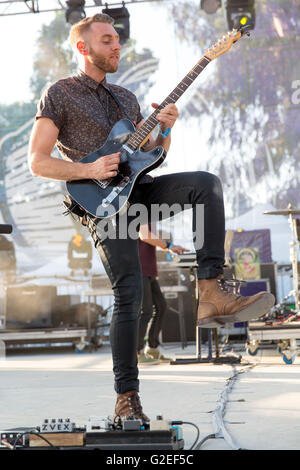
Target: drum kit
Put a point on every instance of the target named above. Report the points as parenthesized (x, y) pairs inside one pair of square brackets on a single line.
[(294, 223)]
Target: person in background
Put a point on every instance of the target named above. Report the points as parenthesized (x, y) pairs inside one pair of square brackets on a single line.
[(149, 353)]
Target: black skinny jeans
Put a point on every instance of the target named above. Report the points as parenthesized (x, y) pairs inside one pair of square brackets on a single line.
[(120, 258), (151, 318)]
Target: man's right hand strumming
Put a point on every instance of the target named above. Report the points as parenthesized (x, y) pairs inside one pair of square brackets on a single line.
[(105, 167), (41, 163)]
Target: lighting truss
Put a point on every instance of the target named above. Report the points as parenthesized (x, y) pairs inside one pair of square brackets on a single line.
[(22, 7)]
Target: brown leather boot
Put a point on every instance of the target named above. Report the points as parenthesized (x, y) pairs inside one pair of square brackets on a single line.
[(218, 306), (128, 405)]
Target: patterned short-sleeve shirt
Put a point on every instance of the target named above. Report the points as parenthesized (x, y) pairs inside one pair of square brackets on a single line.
[(84, 112)]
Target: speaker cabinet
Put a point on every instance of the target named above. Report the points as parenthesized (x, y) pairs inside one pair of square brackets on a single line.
[(181, 302), (29, 306), (269, 271)]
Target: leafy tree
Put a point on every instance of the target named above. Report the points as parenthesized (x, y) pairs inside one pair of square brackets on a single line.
[(54, 58)]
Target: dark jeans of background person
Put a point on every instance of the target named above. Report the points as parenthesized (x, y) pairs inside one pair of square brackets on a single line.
[(120, 258), (151, 317)]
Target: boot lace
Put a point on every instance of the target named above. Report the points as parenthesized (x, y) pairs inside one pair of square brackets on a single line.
[(231, 286), (131, 406), (135, 404)]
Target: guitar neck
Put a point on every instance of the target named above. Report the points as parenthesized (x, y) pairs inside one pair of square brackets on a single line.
[(142, 134)]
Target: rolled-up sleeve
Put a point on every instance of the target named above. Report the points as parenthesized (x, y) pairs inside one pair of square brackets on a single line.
[(51, 105)]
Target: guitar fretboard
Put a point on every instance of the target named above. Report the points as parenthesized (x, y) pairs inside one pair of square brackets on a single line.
[(141, 134)]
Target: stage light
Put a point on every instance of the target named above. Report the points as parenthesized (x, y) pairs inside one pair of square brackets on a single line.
[(121, 17), (75, 11), (210, 6), (240, 13)]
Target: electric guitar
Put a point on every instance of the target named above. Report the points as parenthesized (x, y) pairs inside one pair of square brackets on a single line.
[(105, 198)]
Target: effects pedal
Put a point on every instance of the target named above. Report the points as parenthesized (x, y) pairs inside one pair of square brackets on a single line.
[(57, 425), (99, 433), (12, 439)]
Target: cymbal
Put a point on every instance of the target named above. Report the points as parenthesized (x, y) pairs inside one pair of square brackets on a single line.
[(288, 211)]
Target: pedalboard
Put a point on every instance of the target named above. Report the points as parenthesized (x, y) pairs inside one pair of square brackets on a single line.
[(99, 433)]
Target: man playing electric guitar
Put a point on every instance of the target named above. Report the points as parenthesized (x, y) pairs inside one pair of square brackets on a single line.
[(77, 114)]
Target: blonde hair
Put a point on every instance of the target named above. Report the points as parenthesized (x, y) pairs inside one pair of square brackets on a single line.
[(78, 29)]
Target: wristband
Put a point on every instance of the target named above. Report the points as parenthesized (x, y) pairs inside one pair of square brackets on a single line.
[(169, 245), (165, 134)]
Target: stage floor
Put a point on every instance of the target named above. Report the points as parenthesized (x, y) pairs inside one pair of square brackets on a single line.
[(262, 410)]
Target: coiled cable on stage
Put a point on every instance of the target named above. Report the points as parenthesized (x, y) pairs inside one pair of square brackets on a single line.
[(219, 412)]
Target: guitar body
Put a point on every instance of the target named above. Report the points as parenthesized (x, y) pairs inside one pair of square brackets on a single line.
[(106, 198)]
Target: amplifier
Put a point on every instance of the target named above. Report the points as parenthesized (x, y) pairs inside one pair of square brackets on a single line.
[(269, 271), (254, 286), (38, 307), (181, 298), (29, 306)]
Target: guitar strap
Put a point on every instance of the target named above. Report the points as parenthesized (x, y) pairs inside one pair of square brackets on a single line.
[(145, 178), (126, 114), (116, 99)]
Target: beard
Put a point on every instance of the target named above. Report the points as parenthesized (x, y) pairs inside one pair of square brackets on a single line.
[(102, 63)]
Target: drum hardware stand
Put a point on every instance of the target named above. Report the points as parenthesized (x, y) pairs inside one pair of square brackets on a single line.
[(215, 360), (285, 332), (295, 240), (294, 260)]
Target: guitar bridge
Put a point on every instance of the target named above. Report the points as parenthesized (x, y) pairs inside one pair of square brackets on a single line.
[(103, 183), (115, 191)]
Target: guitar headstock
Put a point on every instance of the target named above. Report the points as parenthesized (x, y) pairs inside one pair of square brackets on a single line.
[(224, 44)]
